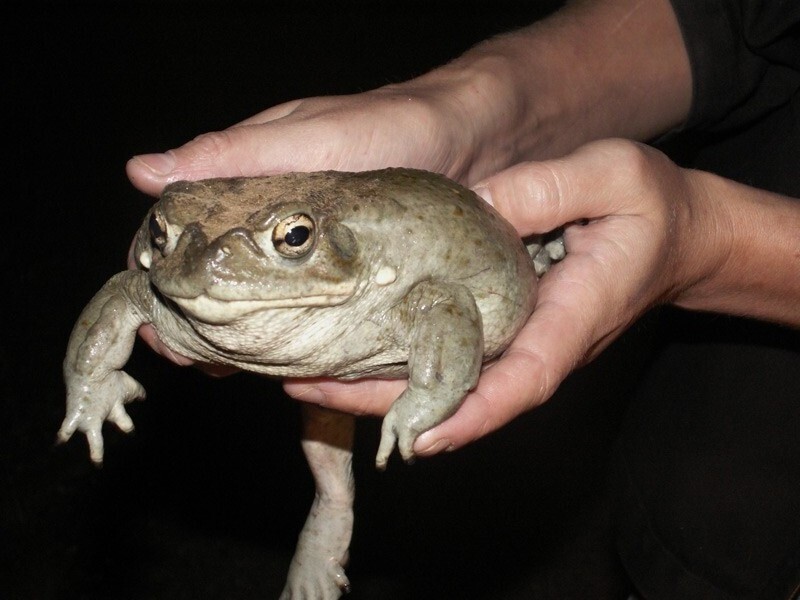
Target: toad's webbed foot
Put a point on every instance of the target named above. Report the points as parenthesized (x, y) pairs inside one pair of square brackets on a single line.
[(405, 420), (311, 579), (93, 400), (317, 569)]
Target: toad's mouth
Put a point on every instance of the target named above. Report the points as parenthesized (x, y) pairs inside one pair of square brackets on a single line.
[(217, 312)]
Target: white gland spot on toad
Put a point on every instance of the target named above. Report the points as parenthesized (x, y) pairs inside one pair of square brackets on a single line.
[(386, 275)]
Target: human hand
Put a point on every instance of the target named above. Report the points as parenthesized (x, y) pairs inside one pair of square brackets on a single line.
[(639, 231), (420, 124)]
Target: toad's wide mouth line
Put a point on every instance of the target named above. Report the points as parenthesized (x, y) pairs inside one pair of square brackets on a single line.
[(216, 311)]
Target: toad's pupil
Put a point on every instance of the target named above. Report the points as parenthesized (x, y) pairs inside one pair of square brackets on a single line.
[(297, 236)]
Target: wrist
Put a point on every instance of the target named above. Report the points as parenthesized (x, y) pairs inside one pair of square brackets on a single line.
[(705, 234), (591, 71), (504, 102), (748, 247)]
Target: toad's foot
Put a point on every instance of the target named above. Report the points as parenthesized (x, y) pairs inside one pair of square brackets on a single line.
[(93, 400), (313, 579), (317, 569), (398, 428), (413, 413), (547, 250)]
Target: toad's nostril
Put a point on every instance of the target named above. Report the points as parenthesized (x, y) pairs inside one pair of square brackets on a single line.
[(191, 244)]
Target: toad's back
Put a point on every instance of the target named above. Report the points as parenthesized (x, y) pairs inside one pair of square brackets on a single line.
[(421, 226)]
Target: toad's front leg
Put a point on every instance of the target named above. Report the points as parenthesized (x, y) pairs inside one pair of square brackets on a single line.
[(100, 345), (445, 355), (317, 569)]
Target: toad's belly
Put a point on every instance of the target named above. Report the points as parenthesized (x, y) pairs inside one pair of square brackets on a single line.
[(369, 337)]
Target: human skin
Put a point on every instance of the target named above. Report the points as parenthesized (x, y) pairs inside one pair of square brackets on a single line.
[(639, 230)]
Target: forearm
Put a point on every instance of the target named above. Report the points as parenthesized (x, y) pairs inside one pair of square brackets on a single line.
[(602, 68), (753, 244)]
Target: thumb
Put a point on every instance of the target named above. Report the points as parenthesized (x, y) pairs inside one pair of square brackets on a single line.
[(243, 149), (227, 153)]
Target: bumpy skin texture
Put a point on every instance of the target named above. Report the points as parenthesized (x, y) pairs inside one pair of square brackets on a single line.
[(387, 273)]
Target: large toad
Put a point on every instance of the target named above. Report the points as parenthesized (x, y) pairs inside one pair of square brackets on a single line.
[(393, 273)]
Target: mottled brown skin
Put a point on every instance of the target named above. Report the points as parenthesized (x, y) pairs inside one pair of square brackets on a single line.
[(392, 273)]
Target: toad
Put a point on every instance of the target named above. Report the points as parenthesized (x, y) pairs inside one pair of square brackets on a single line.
[(395, 273)]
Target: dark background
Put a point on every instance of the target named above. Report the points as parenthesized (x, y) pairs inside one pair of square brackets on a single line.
[(207, 498)]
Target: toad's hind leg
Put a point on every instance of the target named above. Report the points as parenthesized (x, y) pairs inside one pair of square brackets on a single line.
[(317, 569), (445, 355)]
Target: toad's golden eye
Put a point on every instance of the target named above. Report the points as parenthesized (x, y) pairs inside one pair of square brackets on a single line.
[(293, 236)]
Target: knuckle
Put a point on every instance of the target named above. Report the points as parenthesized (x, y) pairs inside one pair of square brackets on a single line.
[(647, 167), (531, 190), (212, 145), (631, 160), (638, 174)]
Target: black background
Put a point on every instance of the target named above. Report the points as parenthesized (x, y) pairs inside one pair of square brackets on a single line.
[(206, 499)]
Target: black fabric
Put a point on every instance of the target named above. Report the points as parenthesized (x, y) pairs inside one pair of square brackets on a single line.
[(708, 465), (745, 58)]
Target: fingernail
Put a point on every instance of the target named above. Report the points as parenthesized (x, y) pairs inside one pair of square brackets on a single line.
[(159, 164), (484, 193), (440, 445)]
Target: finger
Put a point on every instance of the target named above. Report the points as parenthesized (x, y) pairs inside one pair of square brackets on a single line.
[(228, 153), (150, 337), (269, 143), (362, 397), (243, 150), (590, 183)]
